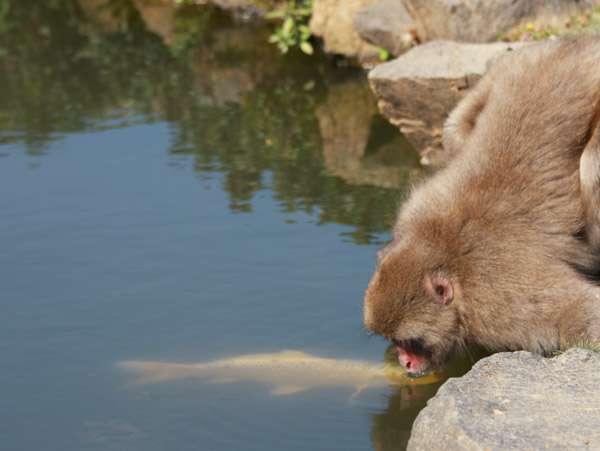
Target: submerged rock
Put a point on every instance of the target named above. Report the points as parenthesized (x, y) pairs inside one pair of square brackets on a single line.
[(333, 21), (386, 24), (516, 401), (483, 21), (416, 91)]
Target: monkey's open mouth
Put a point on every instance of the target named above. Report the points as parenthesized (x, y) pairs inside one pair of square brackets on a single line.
[(414, 356)]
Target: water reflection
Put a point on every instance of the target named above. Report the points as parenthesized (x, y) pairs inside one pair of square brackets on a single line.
[(125, 268), (293, 372), (390, 428), (299, 126), (359, 145)]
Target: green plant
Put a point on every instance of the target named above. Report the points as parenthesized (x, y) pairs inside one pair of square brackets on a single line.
[(383, 54), (293, 30)]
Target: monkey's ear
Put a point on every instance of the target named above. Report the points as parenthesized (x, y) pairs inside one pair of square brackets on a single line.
[(589, 178), (439, 288), (463, 118)]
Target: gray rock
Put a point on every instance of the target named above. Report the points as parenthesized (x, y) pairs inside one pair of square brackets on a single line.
[(484, 20), (515, 401), (386, 24), (416, 91), (333, 21)]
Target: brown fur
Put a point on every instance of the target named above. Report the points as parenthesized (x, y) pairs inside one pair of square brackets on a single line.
[(506, 221)]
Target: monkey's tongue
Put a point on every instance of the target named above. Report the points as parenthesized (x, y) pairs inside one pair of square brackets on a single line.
[(414, 364)]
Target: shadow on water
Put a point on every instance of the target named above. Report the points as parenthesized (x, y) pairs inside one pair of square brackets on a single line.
[(296, 125), (390, 428)]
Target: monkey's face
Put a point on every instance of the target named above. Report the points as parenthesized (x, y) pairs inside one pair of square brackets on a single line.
[(412, 304)]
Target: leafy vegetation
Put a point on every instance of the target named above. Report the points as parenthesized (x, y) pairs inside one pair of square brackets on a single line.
[(293, 30), (383, 54)]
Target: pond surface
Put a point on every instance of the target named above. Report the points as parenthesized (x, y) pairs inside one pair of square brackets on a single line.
[(175, 190)]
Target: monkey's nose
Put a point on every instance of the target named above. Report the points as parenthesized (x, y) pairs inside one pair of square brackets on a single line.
[(413, 364)]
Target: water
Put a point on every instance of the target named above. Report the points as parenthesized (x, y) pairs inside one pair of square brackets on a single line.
[(172, 189)]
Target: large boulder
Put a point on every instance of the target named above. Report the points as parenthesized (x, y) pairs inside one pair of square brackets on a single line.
[(515, 401), (485, 20), (333, 21), (388, 25), (416, 91)]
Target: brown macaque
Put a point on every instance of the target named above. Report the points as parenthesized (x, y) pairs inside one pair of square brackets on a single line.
[(502, 247)]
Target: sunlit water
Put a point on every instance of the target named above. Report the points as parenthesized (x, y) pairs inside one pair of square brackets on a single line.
[(185, 196)]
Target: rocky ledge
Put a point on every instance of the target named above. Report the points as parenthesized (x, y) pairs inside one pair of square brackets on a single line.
[(357, 28), (416, 91), (514, 401), (483, 21)]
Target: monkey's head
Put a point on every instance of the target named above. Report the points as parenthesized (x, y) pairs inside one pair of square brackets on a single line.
[(412, 298)]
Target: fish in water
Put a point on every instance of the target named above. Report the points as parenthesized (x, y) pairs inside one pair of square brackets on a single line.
[(286, 372)]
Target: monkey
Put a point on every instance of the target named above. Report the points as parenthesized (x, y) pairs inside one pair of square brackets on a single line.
[(501, 248)]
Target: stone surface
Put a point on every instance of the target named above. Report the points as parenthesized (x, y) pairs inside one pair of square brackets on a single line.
[(333, 21), (484, 20), (386, 24), (416, 91), (515, 401)]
